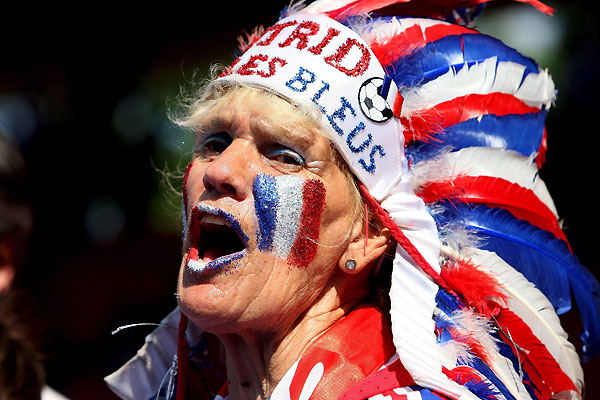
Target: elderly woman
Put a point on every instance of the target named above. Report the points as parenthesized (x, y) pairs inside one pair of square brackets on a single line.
[(333, 141)]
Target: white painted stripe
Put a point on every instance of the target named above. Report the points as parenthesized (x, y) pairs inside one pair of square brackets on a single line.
[(289, 191)]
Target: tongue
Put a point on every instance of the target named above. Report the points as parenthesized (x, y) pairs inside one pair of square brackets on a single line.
[(214, 252)]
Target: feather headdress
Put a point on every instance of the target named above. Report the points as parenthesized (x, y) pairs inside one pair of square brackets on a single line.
[(443, 128), (472, 115)]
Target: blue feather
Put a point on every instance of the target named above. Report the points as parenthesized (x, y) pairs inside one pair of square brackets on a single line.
[(522, 133), (436, 58), (519, 132), (541, 257), (484, 370), (420, 151), (506, 351), (481, 389), (447, 302)]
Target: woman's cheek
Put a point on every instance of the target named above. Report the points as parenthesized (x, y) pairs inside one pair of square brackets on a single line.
[(288, 210)]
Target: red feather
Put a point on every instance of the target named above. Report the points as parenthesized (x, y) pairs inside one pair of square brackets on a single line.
[(433, 8), (412, 38), (479, 289), (541, 367), (541, 157), (495, 192), (426, 125), (423, 127), (246, 40), (473, 344)]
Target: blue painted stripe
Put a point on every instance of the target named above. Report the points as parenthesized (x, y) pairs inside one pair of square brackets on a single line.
[(266, 201), (436, 58)]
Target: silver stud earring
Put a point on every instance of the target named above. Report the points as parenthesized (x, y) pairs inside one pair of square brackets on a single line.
[(350, 264)]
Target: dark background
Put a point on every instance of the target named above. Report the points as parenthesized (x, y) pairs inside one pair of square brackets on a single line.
[(85, 94)]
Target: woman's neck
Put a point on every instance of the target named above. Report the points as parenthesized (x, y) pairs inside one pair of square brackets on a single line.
[(257, 361)]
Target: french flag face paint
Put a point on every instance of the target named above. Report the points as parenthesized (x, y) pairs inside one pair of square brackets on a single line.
[(213, 245), (289, 211)]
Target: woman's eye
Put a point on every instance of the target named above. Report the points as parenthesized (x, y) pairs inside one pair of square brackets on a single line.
[(214, 144), (286, 155)]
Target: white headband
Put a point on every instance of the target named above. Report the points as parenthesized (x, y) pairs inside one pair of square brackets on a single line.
[(313, 60)]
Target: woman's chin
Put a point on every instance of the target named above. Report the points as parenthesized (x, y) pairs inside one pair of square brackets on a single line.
[(204, 307), (211, 298)]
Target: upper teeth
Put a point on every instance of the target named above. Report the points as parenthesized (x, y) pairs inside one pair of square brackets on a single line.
[(214, 219)]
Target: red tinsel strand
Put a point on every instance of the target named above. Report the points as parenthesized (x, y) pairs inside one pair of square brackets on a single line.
[(402, 240), (182, 353)]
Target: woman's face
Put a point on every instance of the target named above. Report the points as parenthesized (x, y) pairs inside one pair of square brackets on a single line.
[(269, 213)]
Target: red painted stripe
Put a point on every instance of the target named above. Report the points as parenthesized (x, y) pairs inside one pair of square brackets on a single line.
[(495, 192), (305, 247)]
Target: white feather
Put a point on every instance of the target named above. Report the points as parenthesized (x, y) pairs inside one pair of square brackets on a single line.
[(484, 161), (478, 328), (380, 30), (489, 76), (530, 304), (503, 368), (453, 352), (323, 6)]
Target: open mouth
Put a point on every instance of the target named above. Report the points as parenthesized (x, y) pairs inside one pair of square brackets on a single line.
[(217, 239)]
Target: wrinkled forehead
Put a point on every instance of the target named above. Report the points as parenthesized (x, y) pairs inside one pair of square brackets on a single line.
[(314, 61), (240, 104)]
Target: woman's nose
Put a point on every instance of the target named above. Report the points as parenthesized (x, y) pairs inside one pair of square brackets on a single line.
[(229, 173)]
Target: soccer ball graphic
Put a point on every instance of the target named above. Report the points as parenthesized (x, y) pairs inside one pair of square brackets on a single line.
[(372, 104)]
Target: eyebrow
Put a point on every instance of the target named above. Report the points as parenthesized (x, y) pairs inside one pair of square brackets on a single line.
[(212, 124), (263, 128), (298, 136)]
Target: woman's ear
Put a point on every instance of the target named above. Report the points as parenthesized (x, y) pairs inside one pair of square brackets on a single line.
[(360, 252)]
